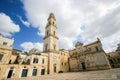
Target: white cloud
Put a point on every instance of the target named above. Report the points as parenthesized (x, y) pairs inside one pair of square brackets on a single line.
[(7, 26), (101, 19), (26, 23), (30, 45)]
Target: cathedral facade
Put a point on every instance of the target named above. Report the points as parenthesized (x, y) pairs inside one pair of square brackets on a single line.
[(14, 64)]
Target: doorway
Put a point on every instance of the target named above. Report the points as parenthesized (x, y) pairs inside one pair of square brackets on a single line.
[(54, 68), (10, 73), (42, 71), (83, 66)]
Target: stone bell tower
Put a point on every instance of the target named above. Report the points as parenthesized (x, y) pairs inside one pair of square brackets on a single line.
[(51, 36), (51, 45)]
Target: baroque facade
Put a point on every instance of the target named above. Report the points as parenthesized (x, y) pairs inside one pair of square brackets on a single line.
[(88, 57), (15, 64)]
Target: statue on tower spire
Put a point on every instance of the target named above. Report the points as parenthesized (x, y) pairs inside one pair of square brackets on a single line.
[(51, 16)]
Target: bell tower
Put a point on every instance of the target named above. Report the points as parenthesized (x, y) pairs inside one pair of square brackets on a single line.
[(51, 36), (51, 45)]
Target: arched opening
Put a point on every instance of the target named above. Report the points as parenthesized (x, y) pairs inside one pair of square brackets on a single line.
[(24, 72), (46, 47), (43, 61), (54, 47), (83, 66), (97, 49), (34, 73), (49, 22), (10, 73), (35, 60), (54, 33), (47, 33), (43, 71), (53, 23), (54, 66), (10, 62)]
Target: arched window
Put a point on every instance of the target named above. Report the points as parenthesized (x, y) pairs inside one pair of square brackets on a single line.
[(46, 47), (54, 67), (96, 48), (35, 60), (54, 33), (1, 56), (47, 32), (43, 61), (54, 46), (24, 72), (34, 73), (11, 72)]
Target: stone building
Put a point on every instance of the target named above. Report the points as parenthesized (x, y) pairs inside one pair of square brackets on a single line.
[(114, 58), (50, 46), (88, 57), (64, 61), (16, 64)]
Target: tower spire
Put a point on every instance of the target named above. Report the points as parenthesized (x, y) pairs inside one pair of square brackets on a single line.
[(51, 16)]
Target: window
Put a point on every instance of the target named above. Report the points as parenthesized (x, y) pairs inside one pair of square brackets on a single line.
[(54, 67), (10, 73), (109, 56), (114, 59), (49, 22), (35, 60), (42, 71), (28, 61), (46, 47), (24, 73), (54, 33), (65, 63), (89, 49), (118, 59), (4, 43), (62, 63), (1, 56), (10, 62), (47, 33), (111, 61), (43, 61), (96, 48), (54, 46), (34, 73)]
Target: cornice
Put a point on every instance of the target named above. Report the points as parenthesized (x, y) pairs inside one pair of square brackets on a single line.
[(51, 50), (50, 35), (49, 26)]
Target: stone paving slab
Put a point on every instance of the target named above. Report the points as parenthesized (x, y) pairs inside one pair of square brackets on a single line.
[(113, 74)]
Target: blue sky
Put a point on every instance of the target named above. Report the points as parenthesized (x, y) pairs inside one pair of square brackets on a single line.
[(77, 20), (13, 9)]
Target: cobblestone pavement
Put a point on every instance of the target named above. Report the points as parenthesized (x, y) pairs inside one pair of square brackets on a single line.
[(113, 74)]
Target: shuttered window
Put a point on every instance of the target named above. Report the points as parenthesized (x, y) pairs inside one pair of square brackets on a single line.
[(1, 56)]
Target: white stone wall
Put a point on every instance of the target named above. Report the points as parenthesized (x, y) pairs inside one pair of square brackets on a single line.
[(7, 40)]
